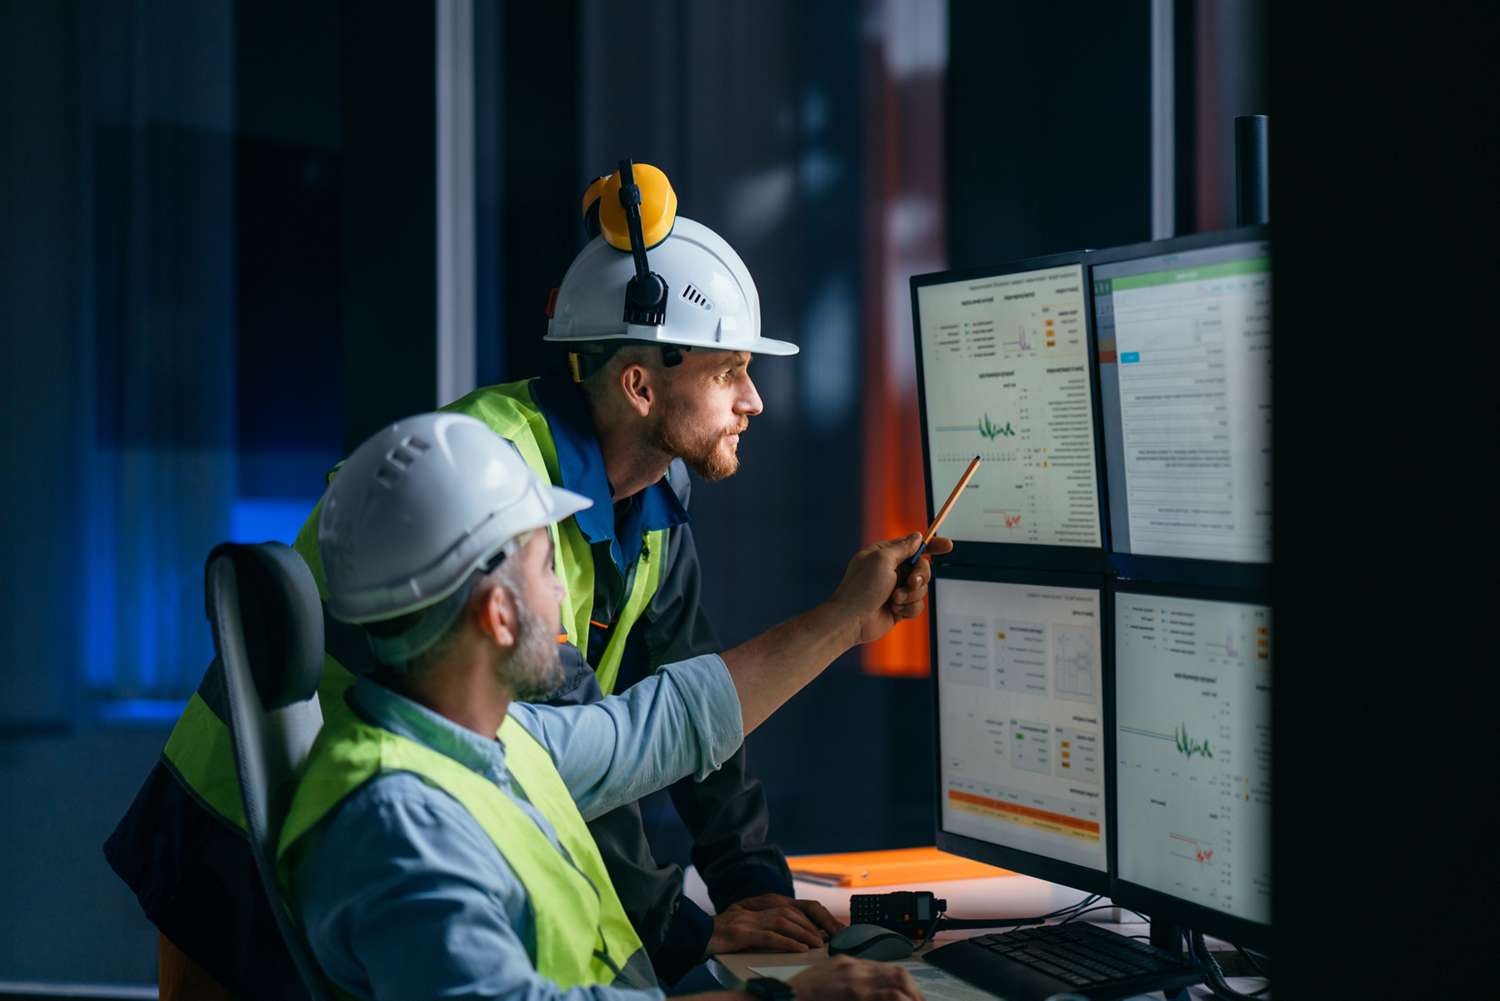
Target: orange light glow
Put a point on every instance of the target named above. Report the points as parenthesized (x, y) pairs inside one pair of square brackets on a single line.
[(903, 180)]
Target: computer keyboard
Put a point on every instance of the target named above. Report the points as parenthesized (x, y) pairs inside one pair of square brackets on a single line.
[(1030, 964)]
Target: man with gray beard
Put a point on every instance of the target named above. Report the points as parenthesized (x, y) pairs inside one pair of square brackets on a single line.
[(436, 844)]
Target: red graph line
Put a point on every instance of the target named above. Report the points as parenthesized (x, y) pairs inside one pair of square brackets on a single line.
[(1200, 853)]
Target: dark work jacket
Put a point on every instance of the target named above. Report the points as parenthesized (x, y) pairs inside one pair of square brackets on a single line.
[(725, 813)]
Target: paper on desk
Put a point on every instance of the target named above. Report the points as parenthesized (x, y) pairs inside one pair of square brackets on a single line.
[(940, 985), (935, 984), (782, 973)]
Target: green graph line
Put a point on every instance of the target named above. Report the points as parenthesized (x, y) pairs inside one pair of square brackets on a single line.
[(991, 430), (1189, 747)]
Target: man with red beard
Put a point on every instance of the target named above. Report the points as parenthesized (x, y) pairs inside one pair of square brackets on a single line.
[(659, 348), (660, 320)]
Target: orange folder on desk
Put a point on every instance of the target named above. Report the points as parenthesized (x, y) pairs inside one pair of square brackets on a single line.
[(887, 868)]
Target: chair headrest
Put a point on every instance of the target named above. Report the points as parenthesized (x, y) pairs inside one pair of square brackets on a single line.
[(282, 619)]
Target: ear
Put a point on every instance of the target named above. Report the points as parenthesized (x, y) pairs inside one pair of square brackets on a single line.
[(495, 616), (637, 387)]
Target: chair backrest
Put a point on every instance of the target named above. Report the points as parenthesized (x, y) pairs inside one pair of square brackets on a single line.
[(268, 630)]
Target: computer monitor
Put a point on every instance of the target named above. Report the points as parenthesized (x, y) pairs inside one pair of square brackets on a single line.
[(1021, 696), (1184, 350), (1004, 372), (1192, 738)]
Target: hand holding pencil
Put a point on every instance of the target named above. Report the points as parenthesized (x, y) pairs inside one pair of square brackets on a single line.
[(867, 579)]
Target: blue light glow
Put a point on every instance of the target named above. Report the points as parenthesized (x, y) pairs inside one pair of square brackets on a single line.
[(268, 519), (143, 711)]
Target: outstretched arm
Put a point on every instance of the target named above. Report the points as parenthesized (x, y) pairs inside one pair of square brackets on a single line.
[(771, 668), (681, 720)]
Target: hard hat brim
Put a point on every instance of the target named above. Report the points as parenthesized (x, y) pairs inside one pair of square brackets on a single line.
[(563, 504), (759, 346), (769, 346)]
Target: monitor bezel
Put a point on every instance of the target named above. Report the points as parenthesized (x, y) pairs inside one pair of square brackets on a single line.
[(1158, 905), (1007, 555), (1028, 863), (1183, 570)]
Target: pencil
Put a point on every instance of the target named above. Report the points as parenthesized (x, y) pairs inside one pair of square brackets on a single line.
[(958, 488), (910, 563)]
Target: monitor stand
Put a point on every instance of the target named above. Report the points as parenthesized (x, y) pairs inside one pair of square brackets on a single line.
[(1165, 935)]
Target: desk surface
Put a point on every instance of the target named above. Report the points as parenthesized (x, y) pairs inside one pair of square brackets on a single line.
[(1012, 896), (1009, 896)]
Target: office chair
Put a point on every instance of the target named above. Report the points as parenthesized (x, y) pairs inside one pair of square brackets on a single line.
[(268, 630)]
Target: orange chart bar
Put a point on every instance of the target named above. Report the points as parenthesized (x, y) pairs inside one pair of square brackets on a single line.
[(1030, 816)]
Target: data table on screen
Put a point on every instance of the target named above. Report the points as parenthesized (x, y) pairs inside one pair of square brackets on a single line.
[(1185, 378), (1020, 730), (1005, 368)]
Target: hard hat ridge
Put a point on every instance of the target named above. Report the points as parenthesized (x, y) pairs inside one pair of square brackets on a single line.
[(720, 313), (419, 507)]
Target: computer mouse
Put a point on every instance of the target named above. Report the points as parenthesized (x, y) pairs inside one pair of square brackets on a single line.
[(870, 942)]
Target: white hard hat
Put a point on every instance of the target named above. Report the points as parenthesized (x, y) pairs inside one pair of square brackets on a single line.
[(711, 298), (419, 507)]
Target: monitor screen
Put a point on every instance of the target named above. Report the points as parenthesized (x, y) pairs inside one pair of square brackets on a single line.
[(1185, 386), (1005, 376), (1021, 742), (1193, 751)]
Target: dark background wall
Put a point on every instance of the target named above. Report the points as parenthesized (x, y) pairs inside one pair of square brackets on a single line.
[(40, 286), (216, 270), (1049, 125), (1384, 167), (63, 781)]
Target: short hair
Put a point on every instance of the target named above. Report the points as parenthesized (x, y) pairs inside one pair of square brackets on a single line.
[(618, 356)]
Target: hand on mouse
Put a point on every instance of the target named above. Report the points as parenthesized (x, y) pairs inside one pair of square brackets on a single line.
[(820, 916), (768, 923), (846, 979)]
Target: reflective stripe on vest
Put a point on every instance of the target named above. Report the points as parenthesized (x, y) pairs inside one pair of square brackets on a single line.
[(200, 753), (583, 937), (514, 415), (199, 749)]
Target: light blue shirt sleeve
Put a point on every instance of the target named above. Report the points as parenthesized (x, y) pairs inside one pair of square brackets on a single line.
[(683, 720), (404, 897)]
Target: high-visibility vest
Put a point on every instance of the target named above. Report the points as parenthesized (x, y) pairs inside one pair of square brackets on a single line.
[(583, 938), (514, 415), (199, 749)]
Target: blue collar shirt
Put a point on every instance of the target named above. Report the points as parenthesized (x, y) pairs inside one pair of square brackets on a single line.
[(621, 525), (403, 895)]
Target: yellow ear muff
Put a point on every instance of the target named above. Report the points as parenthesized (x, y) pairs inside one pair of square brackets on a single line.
[(658, 207)]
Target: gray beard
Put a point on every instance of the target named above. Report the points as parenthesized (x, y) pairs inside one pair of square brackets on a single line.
[(534, 669)]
